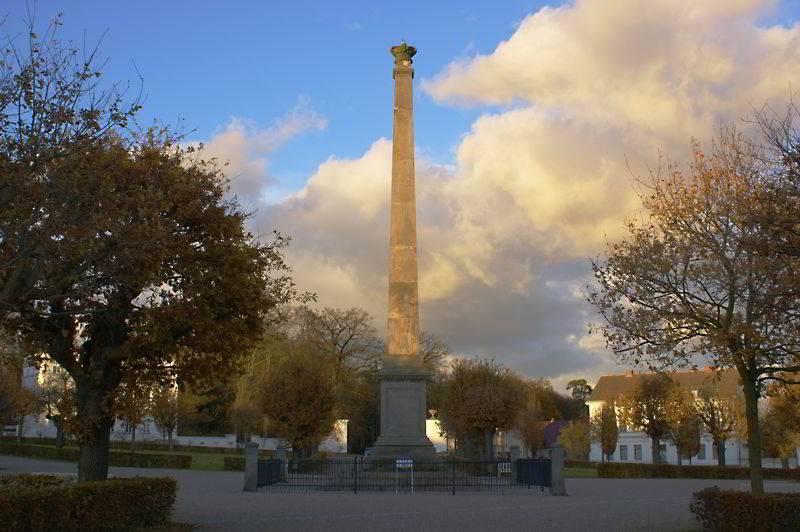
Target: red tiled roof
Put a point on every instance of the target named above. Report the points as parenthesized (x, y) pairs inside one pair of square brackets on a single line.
[(610, 387)]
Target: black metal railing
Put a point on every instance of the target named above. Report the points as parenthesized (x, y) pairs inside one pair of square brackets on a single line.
[(269, 472), (356, 473)]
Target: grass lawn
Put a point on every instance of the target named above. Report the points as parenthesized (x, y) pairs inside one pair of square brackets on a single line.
[(580, 472)]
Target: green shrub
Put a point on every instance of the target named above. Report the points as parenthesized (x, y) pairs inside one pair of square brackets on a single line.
[(719, 510), (233, 463), (27, 481), (115, 458), (625, 470), (583, 464), (117, 504), (162, 446)]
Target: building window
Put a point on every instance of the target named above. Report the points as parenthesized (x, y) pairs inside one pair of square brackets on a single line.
[(623, 452), (701, 454), (637, 452)]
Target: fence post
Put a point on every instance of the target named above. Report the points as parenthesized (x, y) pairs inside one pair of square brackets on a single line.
[(355, 475), (453, 473), (557, 486), (280, 454), (250, 466)]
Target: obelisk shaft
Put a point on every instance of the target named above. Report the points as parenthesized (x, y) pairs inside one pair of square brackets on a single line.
[(403, 379), (403, 323)]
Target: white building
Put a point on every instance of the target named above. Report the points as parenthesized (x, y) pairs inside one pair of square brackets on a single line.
[(636, 447), (40, 427)]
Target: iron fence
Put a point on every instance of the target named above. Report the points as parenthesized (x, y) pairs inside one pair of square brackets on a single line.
[(405, 474)]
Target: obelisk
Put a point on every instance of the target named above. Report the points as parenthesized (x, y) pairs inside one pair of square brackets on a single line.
[(403, 378)]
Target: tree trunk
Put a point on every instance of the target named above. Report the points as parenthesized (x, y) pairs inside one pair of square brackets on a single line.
[(753, 436), (93, 461), (59, 435), (785, 463), (720, 452), (680, 458), (171, 442), (656, 443), (133, 437), (94, 432), (20, 427)]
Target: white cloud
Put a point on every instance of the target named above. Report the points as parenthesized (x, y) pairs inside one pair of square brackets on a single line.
[(244, 148), (505, 233)]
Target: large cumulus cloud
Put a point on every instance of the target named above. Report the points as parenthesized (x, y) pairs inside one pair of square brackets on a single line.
[(578, 99)]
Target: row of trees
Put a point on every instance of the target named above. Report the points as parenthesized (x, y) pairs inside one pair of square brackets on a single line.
[(54, 399), (475, 398), (319, 365), (664, 410)]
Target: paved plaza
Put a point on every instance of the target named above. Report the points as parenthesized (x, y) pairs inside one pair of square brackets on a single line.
[(215, 501)]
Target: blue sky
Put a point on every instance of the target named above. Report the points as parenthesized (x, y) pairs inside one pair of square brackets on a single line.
[(205, 62), (515, 193)]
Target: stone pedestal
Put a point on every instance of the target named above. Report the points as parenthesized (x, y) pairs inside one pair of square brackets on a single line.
[(250, 466), (557, 485), (403, 407)]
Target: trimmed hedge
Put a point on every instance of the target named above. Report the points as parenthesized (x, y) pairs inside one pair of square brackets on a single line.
[(719, 510), (115, 458), (138, 446), (35, 504), (626, 470), (28, 481), (233, 463), (582, 464), (236, 463)]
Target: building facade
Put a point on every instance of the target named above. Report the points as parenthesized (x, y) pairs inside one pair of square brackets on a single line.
[(636, 447), (37, 426)]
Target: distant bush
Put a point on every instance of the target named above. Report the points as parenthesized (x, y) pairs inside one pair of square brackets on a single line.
[(580, 464), (32, 503), (116, 458), (27, 481), (236, 463), (625, 470), (139, 445), (233, 463), (718, 510)]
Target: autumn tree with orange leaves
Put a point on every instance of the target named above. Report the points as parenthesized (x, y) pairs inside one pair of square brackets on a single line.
[(695, 279), (121, 256)]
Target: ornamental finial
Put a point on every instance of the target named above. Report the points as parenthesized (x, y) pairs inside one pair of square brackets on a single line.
[(403, 54)]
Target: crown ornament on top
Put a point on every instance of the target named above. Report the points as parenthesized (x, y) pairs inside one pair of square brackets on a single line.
[(403, 54)]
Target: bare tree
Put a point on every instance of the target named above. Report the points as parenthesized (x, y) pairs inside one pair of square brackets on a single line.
[(433, 350), (346, 336)]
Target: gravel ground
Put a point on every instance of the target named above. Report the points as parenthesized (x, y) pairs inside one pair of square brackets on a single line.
[(215, 501)]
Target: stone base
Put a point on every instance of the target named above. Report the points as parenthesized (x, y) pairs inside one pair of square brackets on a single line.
[(403, 408)]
